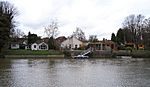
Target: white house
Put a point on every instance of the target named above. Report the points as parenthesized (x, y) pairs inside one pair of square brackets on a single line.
[(19, 43), (34, 46), (71, 43), (43, 46), (40, 46), (14, 45)]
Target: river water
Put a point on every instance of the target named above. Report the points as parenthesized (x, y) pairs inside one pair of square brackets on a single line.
[(75, 72)]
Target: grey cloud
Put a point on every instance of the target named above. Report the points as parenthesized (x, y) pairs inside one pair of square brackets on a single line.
[(98, 17)]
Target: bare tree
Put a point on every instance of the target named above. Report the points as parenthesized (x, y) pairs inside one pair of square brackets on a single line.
[(146, 33), (93, 38), (129, 23), (52, 29), (146, 25), (79, 34), (139, 26), (135, 25), (18, 33)]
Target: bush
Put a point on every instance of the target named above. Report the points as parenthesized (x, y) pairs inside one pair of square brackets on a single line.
[(67, 53), (129, 48), (122, 53), (121, 47)]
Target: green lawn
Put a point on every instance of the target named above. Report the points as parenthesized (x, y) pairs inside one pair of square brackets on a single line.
[(30, 52)]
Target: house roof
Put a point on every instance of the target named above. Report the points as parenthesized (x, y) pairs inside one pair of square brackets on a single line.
[(39, 43), (43, 43), (103, 42), (19, 40), (108, 42), (42, 40), (45, 40), (71, 39), (60, 39)]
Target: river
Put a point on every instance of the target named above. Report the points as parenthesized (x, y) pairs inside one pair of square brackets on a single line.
[(75, 72)]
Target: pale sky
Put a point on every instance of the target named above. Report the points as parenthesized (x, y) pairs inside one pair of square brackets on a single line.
[(94, 17)]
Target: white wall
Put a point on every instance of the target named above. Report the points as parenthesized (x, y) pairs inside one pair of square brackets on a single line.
[(34, 46), (37, 46), (71, 41)]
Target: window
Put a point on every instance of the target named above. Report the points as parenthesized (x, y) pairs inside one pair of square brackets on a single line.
[(97, 47), (112, 46), (103, 47), (13, 45), (69, 46), (76, 46), (141, 45), (43, 46), (34, 46)]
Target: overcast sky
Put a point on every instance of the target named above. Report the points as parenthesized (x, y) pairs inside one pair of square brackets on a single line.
[(94, 17)]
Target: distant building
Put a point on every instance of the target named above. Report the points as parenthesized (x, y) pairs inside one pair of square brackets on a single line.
[(71, 43), (14, 45), (18, 43), (131, 45)]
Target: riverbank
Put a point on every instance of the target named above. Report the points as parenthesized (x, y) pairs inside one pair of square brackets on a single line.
[(68, 54), (96, 54), (133, 53), (115, 54), (33, 54), (111, 54)]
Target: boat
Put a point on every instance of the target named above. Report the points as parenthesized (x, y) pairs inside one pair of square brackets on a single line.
[(80, 56), (84, 54)]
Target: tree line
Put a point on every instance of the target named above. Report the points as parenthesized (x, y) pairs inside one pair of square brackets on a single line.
[(135, 29), (7, 24)]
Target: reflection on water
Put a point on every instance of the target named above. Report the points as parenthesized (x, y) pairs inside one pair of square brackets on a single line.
[(74, 72)]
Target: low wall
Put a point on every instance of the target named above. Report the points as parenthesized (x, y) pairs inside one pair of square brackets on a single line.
[(101, 54), (95, 54)]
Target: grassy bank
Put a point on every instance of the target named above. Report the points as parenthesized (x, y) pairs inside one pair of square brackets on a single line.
[(140, 54), (133, 53), (35, 52), (34, 56), (54, 54)]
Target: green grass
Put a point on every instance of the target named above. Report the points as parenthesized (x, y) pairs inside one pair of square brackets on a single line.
[(31, 52)]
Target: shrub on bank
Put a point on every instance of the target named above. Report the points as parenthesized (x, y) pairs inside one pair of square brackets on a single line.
[(67, 53)]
